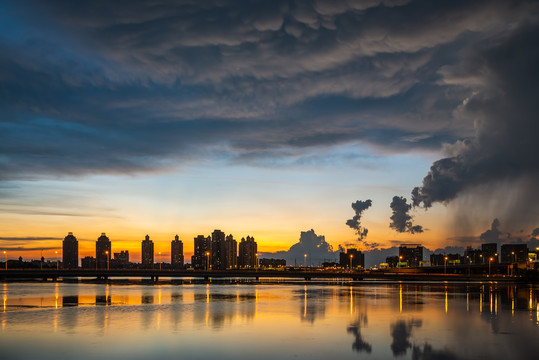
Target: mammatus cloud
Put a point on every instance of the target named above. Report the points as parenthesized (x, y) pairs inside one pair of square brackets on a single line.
[(355, 223), (401, 221), (504, 110)]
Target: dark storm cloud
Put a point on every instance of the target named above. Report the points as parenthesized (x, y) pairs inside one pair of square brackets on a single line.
[(504, 108), (401, 220), (130, 86)]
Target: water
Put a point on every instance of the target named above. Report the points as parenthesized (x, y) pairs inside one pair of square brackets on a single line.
[(269, 321)]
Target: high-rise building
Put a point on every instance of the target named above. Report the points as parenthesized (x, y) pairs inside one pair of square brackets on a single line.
[(352, 257), (202, 253), (231, 246), (247, 253), (490, 251), (70, 252), (176, 252), (218, 250), (102, 251), (411, 255), (147, 253), (122, 258)]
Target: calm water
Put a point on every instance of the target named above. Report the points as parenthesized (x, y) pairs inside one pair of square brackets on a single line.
[(269, 321)]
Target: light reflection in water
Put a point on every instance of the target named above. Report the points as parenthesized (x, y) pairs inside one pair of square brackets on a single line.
[(181, 315)]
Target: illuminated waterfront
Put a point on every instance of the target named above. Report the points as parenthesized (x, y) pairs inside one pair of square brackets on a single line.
[(267, 320)]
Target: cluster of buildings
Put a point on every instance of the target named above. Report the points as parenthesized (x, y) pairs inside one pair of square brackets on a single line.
[(411, 255), (212, 252)]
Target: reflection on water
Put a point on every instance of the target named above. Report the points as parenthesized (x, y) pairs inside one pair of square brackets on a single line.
[(359, 344), (404, 321)]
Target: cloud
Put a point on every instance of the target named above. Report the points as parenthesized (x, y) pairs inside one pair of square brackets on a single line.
[(101, 87), (401, 332), (314, 246), (401, 221), (502, 153), (355, 223), (28, 238)]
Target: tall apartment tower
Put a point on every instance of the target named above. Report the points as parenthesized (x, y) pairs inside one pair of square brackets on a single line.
[(70, 252), (247, 253), (147, 253), (202, 254), (176, 253), (102, 251), (218, 250), (231, 246)]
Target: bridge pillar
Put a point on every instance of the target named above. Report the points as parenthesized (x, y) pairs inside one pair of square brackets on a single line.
[(307, 278), (257, 278)]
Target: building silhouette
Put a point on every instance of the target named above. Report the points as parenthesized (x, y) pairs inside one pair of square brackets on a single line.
[(202, 252), (413, 256), (88, 262), (489, 251), (355, 255), (176, 253), (218, 250), (70, 253), (231, 246), (102, 251), (122, 258), (514, 253), (147, 253), (247, 257)]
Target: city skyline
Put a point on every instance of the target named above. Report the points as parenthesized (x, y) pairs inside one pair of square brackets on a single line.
[(268, 119)]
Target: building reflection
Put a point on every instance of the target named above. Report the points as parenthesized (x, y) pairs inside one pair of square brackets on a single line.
[(359, 345), (312, 303), (216, 309)]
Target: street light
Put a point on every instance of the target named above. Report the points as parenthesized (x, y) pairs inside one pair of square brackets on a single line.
[(107, 253), (305, 260), (400, 261), (490, 261), (5, 255), (351, 256), (256, 259), (56, 260), (207, 260), (160, 262), (445, 265)]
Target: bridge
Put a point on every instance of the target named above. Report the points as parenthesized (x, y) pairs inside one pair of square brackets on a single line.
[(155, 274)]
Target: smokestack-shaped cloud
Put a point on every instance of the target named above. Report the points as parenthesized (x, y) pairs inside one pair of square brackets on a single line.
[(492, 235), (355, 222), (502, 78), (401, 221)]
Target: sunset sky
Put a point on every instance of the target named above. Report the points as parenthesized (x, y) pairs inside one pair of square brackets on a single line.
[(266, 118)]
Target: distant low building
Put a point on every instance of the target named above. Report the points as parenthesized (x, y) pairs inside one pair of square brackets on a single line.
[(411, 254), (88, 262), (353, 257), (514, 253), (122, 258), (272, 263), (392, 261)]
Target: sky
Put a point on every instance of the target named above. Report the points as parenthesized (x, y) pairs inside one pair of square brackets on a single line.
[(268, 119)]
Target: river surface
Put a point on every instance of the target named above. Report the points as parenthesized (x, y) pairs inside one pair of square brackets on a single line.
[(270, 320)]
